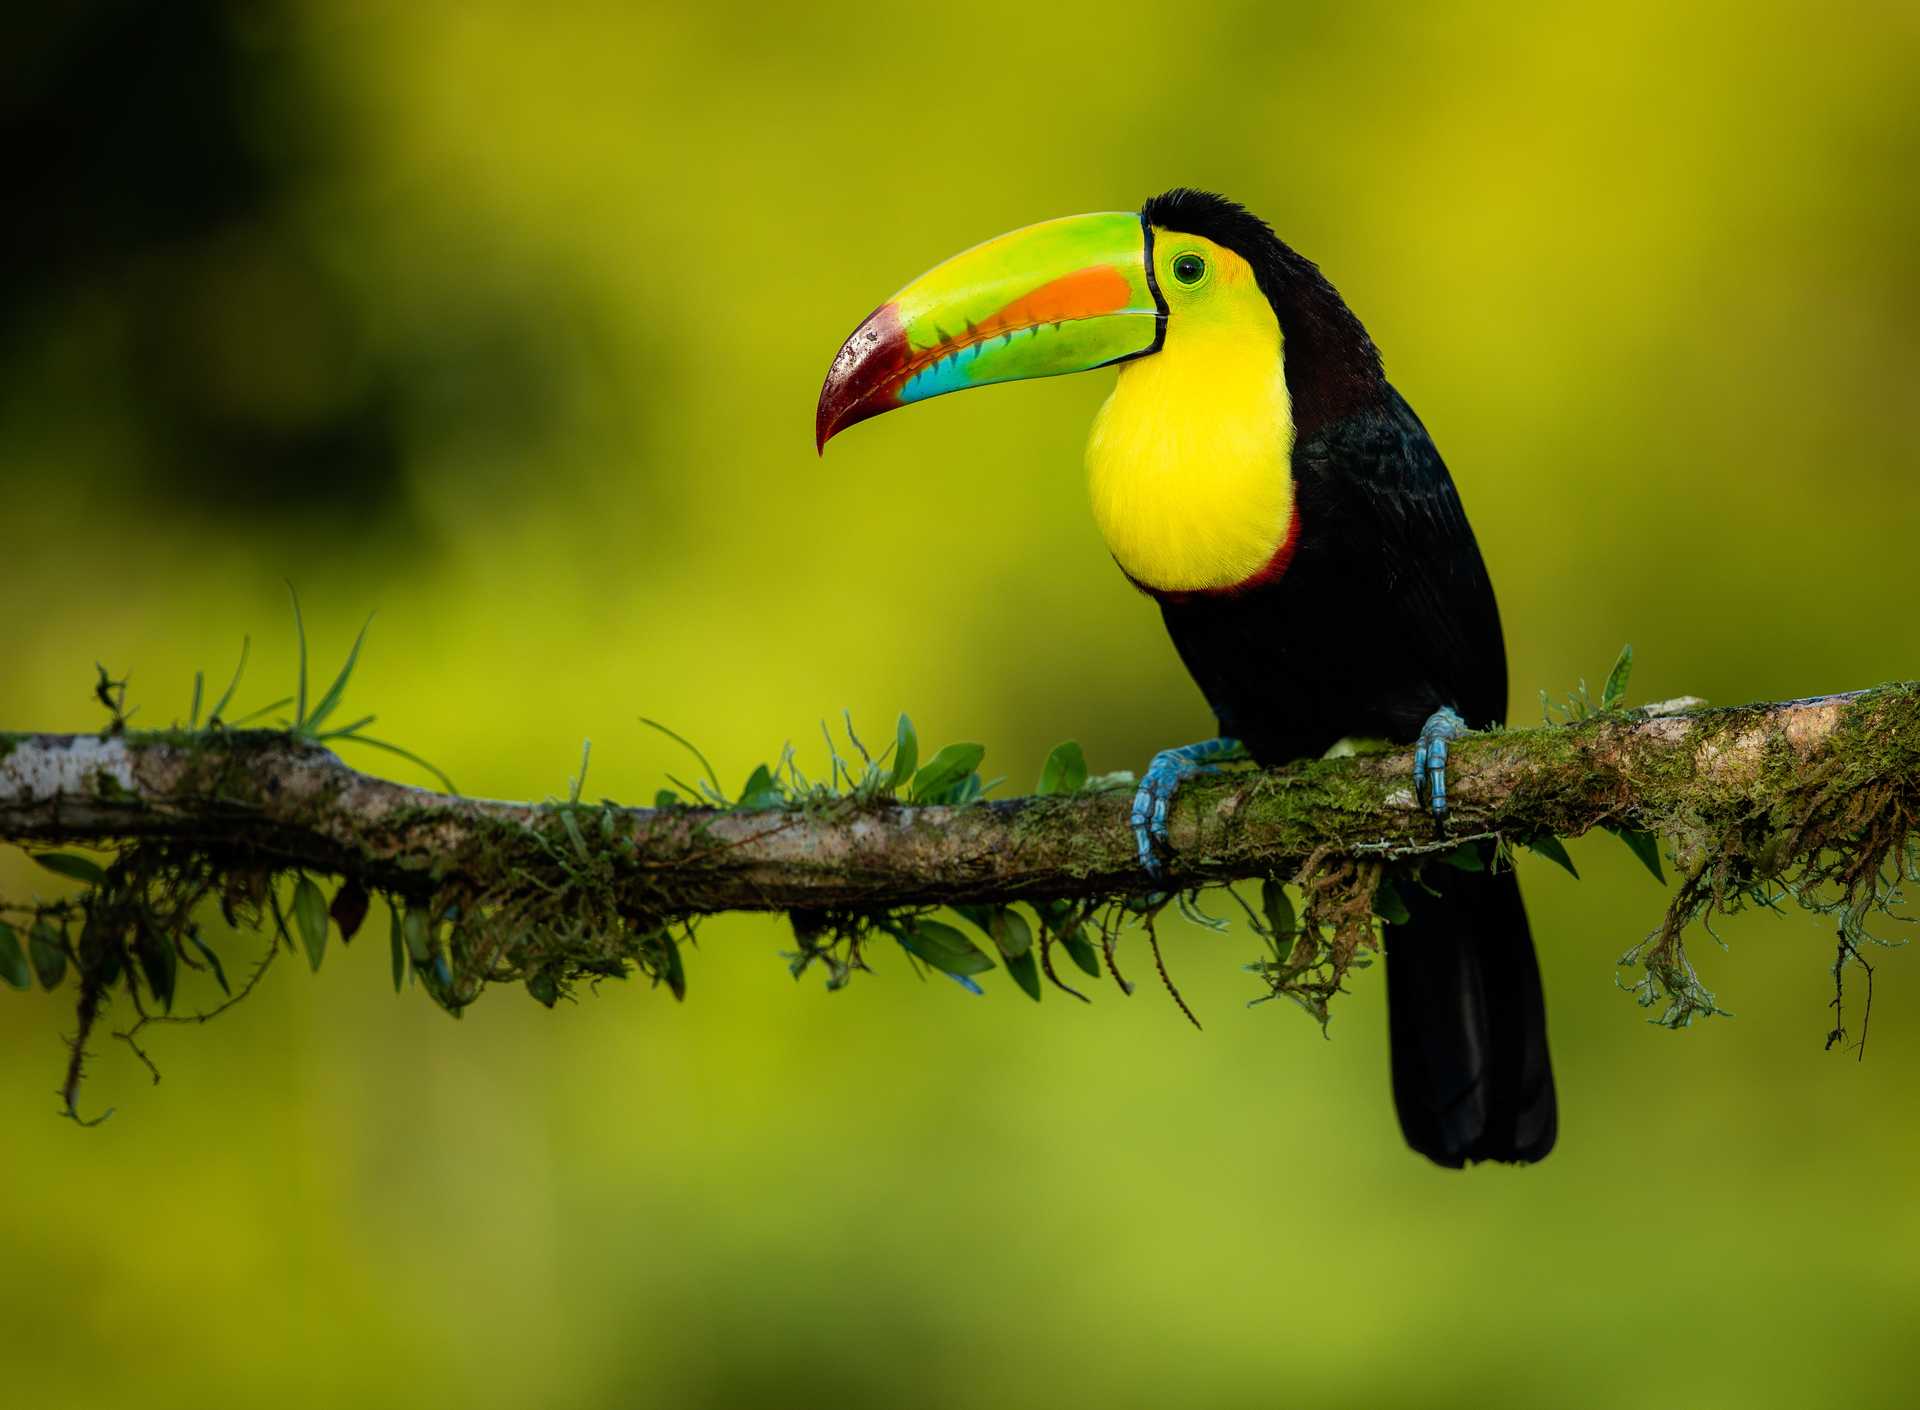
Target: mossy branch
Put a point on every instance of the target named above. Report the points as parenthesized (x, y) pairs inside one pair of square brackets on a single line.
[(269, 801), (1809, 799)]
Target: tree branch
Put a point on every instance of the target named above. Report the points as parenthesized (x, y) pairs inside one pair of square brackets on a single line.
[(1812, 799), (270, 802)]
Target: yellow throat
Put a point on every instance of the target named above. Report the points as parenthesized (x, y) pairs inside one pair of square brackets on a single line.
[(1190, 460)]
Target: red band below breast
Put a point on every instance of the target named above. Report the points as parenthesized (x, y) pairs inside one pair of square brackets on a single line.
[(1272, 572)]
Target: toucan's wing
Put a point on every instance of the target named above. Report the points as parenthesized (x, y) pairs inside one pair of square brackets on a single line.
[(1374, 489)]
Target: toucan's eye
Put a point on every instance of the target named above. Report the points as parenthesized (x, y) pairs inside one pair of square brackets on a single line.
[(1189, 269)]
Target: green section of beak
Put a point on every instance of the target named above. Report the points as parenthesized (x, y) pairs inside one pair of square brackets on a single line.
[(1062, 296)]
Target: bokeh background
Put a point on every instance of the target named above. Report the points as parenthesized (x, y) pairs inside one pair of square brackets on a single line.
[(507, 322)]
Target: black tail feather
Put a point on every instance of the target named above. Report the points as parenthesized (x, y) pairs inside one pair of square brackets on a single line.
[(1468, 1022)]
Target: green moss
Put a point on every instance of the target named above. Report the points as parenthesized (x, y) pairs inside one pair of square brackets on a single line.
[(1831, 835), (577, 895), (1055, 827), (109, 789)]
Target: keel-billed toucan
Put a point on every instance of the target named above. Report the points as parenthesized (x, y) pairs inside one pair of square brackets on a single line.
[(1256, 474)]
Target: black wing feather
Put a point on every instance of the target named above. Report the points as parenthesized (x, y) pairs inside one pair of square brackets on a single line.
[(1384, 615)]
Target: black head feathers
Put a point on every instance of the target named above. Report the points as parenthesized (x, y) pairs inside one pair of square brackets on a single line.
[(1332, 366), (1215, 217)]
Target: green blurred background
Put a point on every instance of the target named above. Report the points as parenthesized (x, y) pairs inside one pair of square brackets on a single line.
[(507, 321)]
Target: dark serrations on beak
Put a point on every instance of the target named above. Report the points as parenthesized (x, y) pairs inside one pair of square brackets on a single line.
[(865, 377)]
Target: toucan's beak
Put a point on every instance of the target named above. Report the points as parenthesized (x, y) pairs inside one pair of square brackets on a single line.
[(1062, 296)]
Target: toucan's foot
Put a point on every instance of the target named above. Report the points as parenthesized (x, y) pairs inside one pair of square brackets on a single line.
[(1443, 726), (1155, 794)]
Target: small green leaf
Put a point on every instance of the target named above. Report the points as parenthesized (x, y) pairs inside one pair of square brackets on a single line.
[(1465, 857), (1081, 951), (761, 792), (579, 781), (1012, 933), (68, 865), (416, 932), (399, 948), (1065, 770), (906, 753), (349, 908), (49, 953), (13, 959), (1279, 909), (351, 731), (219, 710), (670, 967), (111, 964), (943, 947), (965, 791), (1614, 694), (310, 916), (265, 709), (159, 962), (1025, 970), (572, 825), (300, 633), (666, 798), (100, 951), (1645, 846), (1554, 850), (213, 960), (1006, 927), (544, 987), (946, 770), (329, 702), (409, 756), (1388, 905), (687, 745)]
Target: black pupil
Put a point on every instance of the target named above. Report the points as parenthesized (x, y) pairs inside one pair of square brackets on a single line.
[(1188, 268)]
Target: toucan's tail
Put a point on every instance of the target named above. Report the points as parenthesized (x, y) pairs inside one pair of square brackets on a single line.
[(1468, 1023)]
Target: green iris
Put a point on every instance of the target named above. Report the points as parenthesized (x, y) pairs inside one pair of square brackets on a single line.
[(1189, 269)]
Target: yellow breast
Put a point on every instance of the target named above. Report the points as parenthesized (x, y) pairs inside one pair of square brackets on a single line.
[(1190, 460)]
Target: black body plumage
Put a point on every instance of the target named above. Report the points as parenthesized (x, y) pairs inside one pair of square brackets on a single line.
[(1383, 615)]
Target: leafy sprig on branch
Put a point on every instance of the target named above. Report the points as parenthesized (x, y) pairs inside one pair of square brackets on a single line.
[(566, 893)]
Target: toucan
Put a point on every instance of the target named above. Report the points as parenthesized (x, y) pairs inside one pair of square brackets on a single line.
[(1255, 474)]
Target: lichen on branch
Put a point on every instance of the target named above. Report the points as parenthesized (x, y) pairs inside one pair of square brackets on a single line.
[(1809, 800)]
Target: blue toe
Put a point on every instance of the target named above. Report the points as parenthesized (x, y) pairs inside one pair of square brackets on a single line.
[(1153, 800), (1430, 758)]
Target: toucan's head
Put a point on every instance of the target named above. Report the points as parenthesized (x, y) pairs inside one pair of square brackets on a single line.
[(1088, 291)]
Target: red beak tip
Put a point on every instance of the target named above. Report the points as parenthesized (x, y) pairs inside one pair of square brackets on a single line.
[(862, 380)]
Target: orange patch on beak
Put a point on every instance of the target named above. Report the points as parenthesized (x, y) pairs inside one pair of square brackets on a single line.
[(1085, 293)]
